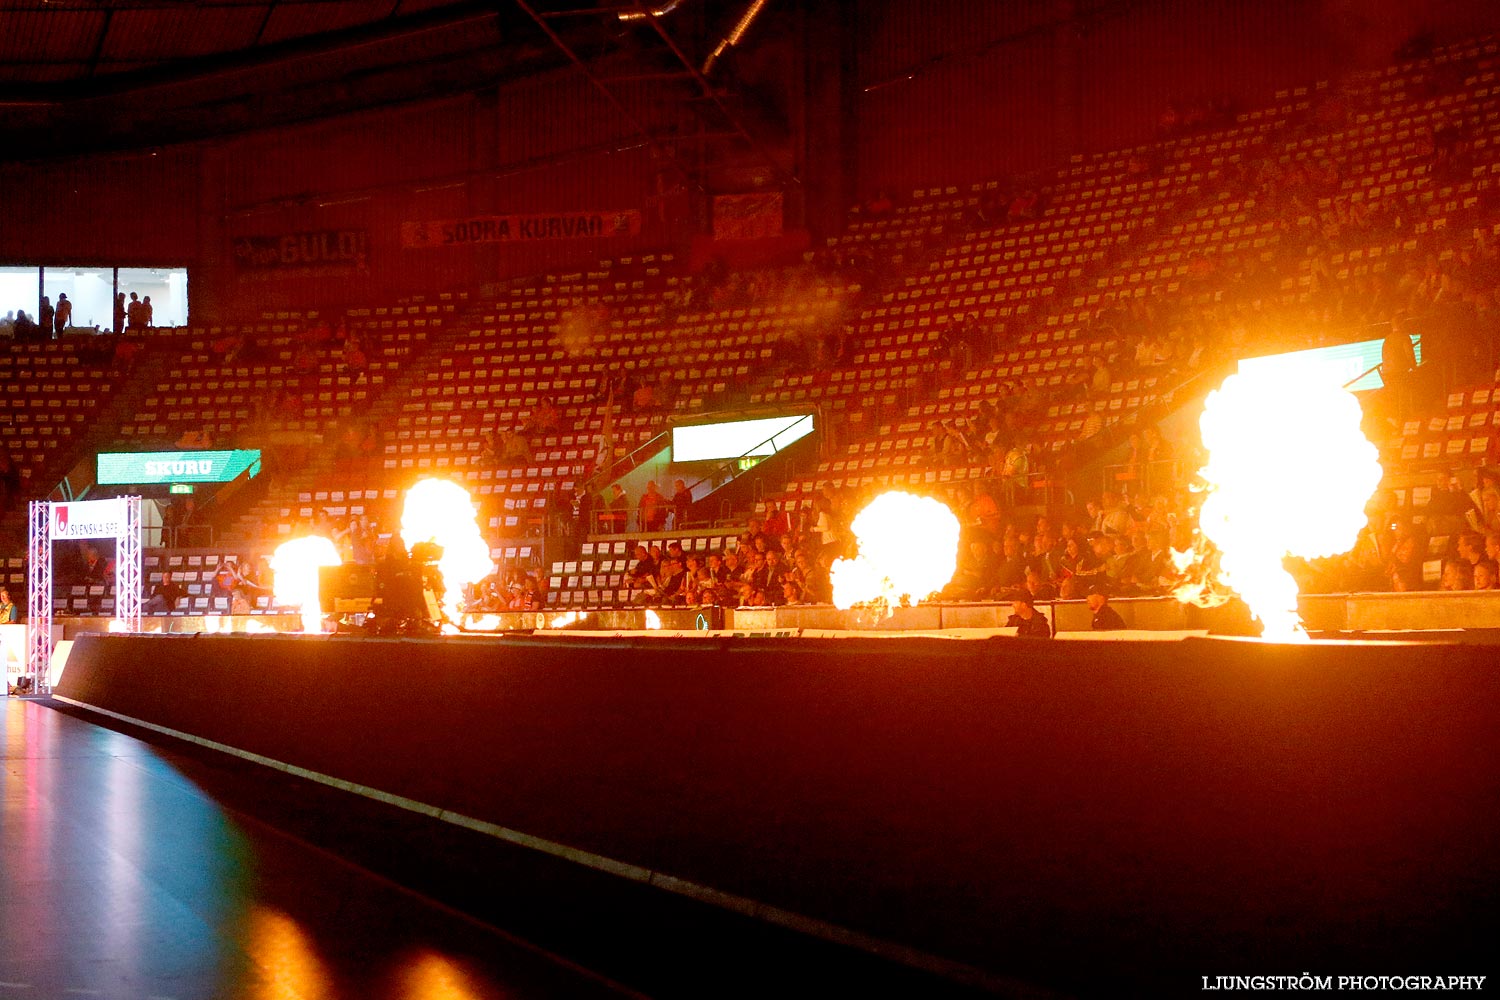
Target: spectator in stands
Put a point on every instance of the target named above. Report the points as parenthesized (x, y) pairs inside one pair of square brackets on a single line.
[(134, 317), (1026, 619), (120, 313), (226, 578), (1458, 574), (63, 318), (95, 571), (257, 579), (972, 578), (651, 511), (670, 582), (1470, 547), (8, 611), (10, 481), (528, 597), (644, 566), (1398, 361), (164, 596), (1025, 205), (682, 500), (545, 419), (1038, 586), (356, 361), (515, 448), (148, 315), (1106, 618), (1405, 568), (616, 510), (44, 318), (1015, 471), (1450, 507), (1486, 517), (1116, 518)]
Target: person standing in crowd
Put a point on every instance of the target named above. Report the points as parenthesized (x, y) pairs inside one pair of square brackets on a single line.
[(8, 611), (147, 313), (1106, 618), (133, 314), (618, 508), (119, 313), (44, 317), (682, 499), (1026, 619), (64, 314), (651, 512)]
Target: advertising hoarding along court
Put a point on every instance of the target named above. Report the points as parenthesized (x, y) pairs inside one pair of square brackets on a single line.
[(142, 468)]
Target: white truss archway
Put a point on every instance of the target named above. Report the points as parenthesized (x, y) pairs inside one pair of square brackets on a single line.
[(118, 518)]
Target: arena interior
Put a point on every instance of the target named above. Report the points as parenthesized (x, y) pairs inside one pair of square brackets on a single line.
[(748, 497)]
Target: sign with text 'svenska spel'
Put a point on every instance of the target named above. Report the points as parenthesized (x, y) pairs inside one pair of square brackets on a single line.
[(88, 519)]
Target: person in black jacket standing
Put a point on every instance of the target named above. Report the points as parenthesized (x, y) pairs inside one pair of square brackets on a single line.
[(1106, 618), (1026, 619)]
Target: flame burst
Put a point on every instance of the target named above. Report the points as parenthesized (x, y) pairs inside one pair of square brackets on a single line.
[(295, 566), (908, 547), (1289, 474), (441, 512)]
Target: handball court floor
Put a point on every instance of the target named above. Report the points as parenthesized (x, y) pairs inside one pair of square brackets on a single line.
[(136, 867)]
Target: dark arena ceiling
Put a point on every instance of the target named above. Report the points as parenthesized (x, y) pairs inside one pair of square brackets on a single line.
[(81, 76)]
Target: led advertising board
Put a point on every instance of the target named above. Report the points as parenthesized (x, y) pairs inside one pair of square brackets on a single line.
[(1339, 364), (142, 468), (738, 438)]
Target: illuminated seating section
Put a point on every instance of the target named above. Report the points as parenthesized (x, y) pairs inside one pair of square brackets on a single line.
[(908, 229), (1053, 286), (490, 375), (48, 394), (1463, 434), (13, 576), (194, 570), (203, 391), (445, 373), (597, 577), (561, 338)]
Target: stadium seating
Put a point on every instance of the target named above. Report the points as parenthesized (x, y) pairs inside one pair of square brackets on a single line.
[(1178, 223)]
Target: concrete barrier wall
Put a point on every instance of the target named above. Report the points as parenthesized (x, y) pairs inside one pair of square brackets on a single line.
[(1070, 813)]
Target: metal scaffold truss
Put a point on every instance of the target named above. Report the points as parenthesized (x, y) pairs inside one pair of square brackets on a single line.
[(118, 518)]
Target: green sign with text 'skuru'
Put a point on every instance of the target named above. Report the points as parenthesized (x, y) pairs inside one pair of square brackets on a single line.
[(144, 467)]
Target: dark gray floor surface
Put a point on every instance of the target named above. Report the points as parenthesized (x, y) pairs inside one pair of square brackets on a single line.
[(122, 878)]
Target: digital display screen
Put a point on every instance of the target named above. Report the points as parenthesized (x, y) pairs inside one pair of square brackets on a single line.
[(1340, 364), (738, 438), (141, 468)]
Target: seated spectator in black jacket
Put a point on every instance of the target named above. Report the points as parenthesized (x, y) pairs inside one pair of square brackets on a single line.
[(670, 581), (164, 596), (1106, 618), (1026, 619)]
